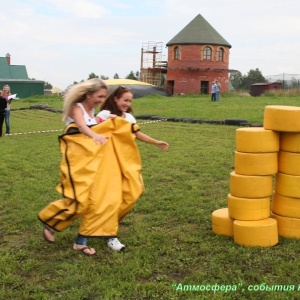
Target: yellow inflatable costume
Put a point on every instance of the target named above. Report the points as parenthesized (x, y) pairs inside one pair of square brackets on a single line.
[(100, 184)]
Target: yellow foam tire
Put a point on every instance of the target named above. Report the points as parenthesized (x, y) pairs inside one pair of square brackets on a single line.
[(256, 163), (287, 185), (285, 206), (245, 186), (222, 224), (256, 140), (289, 163), (282, 118), (290, 141), (261, 233), (287, 227), (247, 209)]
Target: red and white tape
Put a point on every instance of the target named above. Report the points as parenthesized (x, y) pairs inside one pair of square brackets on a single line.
[(56, 130)]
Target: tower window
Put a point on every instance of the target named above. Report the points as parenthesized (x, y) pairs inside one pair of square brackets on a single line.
[(207, 53), (221, 54), (176, 52)]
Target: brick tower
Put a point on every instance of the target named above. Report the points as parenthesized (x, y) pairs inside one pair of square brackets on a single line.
[(197, 55)]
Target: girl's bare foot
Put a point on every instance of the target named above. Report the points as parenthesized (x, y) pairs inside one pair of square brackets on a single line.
[(84, 249), (48, 234)]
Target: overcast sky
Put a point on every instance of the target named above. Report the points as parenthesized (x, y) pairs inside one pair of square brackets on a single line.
[(62, 41)]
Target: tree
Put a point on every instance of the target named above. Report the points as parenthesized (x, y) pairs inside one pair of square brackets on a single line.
[(116, 76), (93, 75), (47, 86), (294, 83), (104, 77), (254, 76), (131, 76), (236, 79), (243, 82)]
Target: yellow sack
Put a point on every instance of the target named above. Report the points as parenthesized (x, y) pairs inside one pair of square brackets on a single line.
[(100, 183)]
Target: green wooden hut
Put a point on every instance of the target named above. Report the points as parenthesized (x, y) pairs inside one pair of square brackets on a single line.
[(17, 78)]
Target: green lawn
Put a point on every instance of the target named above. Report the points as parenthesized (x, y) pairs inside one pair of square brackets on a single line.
[(171, 252)]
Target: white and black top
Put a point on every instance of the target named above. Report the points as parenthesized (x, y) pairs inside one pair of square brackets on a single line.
[(88, 120)]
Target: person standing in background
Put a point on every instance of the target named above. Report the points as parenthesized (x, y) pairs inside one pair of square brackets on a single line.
[(213, 91), (218, 90), (6, 94), (3, 105)]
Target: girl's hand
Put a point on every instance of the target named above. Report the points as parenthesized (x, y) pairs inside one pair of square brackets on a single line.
[(100, 139), (162, 145)]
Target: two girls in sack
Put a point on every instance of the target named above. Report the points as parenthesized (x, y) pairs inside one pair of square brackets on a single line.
[(100, 212)]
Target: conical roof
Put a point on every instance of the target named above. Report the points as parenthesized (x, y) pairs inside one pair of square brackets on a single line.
[(198, 31)]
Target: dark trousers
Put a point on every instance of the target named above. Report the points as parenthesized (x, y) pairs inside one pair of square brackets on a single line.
[(213, 96), (2, 117)]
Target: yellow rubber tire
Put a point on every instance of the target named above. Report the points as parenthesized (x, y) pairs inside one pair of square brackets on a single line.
[(261, 233), (256, 140), (287, 185), (285, 206), (289, 163), (256, 163), (247, 209), (287, 227), (290, 141), (282, 118), (245, 186), (222, 224)]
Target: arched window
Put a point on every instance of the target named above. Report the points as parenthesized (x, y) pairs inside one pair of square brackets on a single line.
[(221, 54), (207, 53), (176, 52)]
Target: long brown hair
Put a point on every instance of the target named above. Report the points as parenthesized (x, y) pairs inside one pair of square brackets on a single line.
[(110, 103)]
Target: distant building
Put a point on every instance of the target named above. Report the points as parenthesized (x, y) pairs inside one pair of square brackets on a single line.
[(197, 55), (257, 89), (17, 78)]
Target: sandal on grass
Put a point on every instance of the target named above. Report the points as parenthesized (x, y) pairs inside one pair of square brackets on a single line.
[(85, 250), (48, 234)]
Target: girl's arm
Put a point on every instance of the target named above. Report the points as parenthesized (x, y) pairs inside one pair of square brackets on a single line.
[(104, 115), (147, 139), (77, 115)]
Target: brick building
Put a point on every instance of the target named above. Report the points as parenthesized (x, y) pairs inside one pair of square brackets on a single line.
[(197, 55)]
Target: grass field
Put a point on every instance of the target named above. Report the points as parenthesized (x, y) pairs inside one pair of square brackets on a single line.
[(171, 252)]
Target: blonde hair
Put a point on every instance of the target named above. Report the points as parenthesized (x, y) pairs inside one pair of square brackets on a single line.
[(7, 93), (78, 93)]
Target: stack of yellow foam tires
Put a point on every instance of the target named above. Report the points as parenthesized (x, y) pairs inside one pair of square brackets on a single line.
[(260, 154), (251, 187), (286, 197)]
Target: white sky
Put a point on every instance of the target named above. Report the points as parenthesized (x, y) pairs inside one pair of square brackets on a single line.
[(62, 41)]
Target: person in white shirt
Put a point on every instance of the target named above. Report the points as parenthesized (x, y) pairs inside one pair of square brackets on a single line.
[(6, 94), (80, 103), (118, 104), (218, 91)]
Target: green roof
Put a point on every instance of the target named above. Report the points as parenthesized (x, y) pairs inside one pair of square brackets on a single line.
[(198, 31), (12, 71)]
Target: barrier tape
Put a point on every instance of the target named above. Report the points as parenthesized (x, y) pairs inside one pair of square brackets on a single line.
[(152, 122), (56, 130), (32, 132)]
